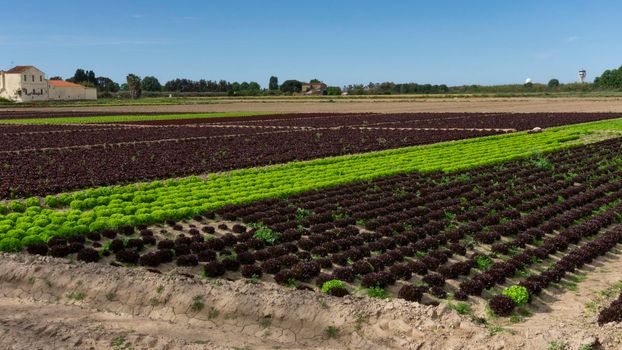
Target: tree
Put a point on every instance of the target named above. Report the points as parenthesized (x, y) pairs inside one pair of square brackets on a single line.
[(553, 83), (78, 76), (291, 86), (610, 79), (314, 81), (56, 78), (90, 77), (84, 77), (254, 86), (333, 90), (106, 85), (274, 83), (133, 85), (150, 83)]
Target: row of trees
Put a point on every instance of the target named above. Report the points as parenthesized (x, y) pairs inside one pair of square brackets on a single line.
[(610, 79), (391, 88)]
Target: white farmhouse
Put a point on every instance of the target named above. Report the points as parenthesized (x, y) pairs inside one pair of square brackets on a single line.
[(27, 83)]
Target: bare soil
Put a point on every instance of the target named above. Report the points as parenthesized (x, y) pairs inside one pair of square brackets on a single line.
[(49, 303), (475, 104)]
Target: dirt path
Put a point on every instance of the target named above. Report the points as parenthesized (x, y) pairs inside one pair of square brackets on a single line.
[(516, 104)]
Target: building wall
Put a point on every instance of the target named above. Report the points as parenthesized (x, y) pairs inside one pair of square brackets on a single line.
[(29, 85), (72, 93)]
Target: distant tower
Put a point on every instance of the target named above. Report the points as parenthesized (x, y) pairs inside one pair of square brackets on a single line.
[(582, 75)]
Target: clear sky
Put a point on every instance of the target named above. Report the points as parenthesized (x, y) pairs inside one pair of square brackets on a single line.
[(338, 41)]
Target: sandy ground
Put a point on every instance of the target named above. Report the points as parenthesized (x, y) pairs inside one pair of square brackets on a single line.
[(49, 303), (515, 104)]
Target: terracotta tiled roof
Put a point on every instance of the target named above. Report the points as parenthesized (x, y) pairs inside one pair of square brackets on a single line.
[(19, 69), (62, 83)]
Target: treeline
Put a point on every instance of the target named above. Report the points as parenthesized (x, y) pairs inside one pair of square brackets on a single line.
[(390, 88), (135, 86), (222, 86)]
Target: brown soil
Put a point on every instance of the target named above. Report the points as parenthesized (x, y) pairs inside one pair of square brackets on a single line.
[(516, 104), (50, 303)]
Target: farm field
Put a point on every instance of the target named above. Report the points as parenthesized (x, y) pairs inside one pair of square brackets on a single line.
[(352, 230), (50, 158)]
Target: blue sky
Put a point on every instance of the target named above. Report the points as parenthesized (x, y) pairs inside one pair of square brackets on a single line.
[(340, 42)]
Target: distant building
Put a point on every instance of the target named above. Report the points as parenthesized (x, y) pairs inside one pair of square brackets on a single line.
[(309, 89), (27, 83)]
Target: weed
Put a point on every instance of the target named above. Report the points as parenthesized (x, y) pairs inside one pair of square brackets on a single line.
[(76, 296), (266, 234), (265, 322), (159, 289), (516, 319), (494, 329), (483, 262), (377, 292), (302, 214), (331, 332), (120, 343), (212, 313), (110, 296), (323, 304), (291, 283), (358, 322), (557, 345), (254, 280), (154, 302), (461, 308), (523, 311), (197, 303)]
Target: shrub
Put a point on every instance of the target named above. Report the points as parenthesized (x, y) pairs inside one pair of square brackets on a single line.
[(519, 294), (328, 285)]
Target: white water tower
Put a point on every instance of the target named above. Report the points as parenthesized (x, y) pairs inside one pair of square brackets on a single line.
[(582, 75)]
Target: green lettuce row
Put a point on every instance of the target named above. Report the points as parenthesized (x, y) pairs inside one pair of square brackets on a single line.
[(125, 118), (155, 202)]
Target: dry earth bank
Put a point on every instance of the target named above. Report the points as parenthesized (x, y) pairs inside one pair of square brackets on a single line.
[(50, 303)]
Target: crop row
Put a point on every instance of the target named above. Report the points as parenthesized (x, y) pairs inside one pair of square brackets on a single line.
[(612, 313), (38, 172), (158, 201), (121, 118), (516, 121), (410, 234)]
